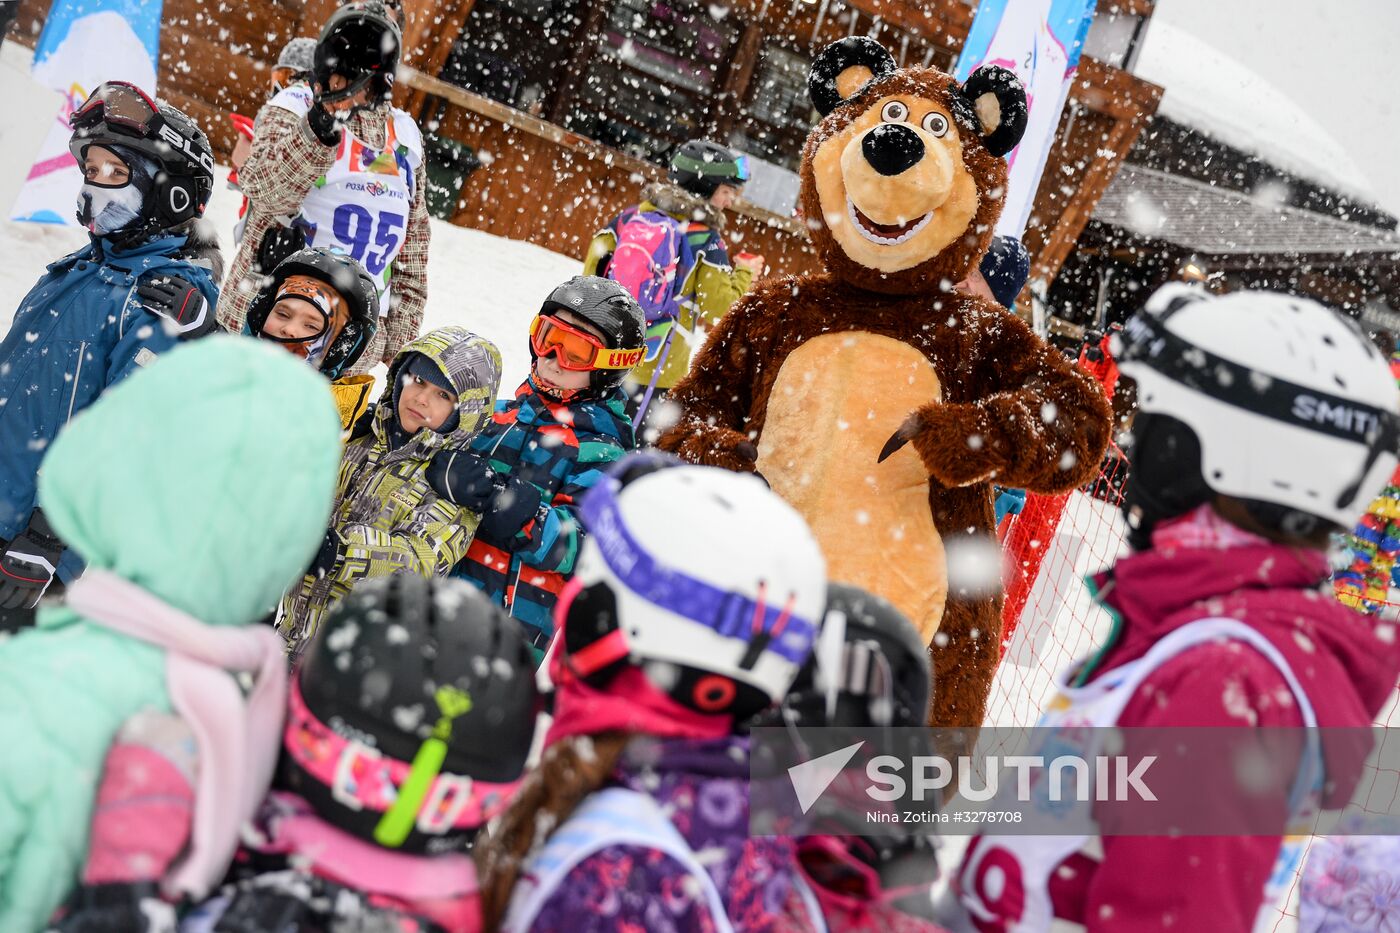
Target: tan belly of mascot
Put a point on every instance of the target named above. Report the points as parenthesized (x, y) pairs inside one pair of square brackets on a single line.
[(835, 403)]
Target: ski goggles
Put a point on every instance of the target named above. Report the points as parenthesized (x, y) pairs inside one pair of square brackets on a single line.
[(122, 106), (577, 350), (761, 625), (735, 173)]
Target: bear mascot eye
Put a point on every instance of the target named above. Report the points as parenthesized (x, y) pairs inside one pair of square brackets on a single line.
[(895, 112), (937, 124)]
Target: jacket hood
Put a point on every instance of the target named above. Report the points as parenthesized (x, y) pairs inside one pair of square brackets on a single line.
[(1344, 662), (682, 205), (472, 364), (206, 479)]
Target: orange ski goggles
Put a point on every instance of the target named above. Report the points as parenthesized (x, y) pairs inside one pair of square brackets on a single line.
[(578, 350)]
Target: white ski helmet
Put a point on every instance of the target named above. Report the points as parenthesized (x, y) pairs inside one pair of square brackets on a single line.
[(703, 578), (1289, 408)]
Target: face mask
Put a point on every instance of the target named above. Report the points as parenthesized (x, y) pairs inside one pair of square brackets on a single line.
[(104, 209)]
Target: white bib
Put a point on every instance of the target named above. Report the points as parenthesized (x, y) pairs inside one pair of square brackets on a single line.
[(994, 865), (361, 205)]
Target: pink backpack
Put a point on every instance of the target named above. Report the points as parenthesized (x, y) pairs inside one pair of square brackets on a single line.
[(647, 259)]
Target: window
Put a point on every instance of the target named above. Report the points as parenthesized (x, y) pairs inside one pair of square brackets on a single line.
[(513, 50), (652, 84), (779, 114)]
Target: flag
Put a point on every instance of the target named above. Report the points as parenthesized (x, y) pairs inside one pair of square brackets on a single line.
[(1040, 40), (84, 43)]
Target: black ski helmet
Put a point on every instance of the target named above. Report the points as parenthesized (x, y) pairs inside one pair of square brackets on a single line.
[(412, 715), (882, 678), (349, 279), (608, 307), (361, 43), (701, 166), (118, 113)]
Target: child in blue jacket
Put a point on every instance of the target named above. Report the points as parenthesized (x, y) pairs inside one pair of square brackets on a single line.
[(525, 471), (145, 281)]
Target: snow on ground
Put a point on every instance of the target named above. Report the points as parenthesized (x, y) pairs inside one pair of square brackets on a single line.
[(1212, 91), (489, 284)]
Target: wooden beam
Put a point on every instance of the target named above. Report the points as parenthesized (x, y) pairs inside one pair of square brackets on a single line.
[(586, 40), (734, 89), (430, 30)]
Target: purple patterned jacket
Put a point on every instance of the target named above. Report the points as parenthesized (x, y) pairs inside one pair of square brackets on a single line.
[(703, 786)]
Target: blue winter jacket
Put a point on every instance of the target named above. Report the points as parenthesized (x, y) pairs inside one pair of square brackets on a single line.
[(80, 330), (563, 450)]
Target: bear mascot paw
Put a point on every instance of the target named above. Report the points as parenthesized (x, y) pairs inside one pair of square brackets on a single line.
[(874, 396)]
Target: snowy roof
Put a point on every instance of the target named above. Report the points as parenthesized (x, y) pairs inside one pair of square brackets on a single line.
[(1208, 90), (1218, 221)]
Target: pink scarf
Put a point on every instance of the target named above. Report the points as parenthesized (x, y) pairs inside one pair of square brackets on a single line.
[(238, 738)]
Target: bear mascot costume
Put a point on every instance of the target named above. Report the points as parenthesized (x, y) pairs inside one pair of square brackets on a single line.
[(878, 399)]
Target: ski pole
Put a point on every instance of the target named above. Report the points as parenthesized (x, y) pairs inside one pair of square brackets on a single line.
[(656, 374)]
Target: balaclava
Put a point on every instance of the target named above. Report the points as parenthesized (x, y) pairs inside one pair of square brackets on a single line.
[(335, 314), (105, 208)]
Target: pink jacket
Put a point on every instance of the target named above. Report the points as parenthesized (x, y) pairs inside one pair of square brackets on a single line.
[(1345, 663)]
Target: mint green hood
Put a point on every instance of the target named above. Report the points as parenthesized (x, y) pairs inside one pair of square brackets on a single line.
[(207, 480)]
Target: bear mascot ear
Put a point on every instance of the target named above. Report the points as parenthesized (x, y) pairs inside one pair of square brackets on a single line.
[(996, 104), (844, 68)]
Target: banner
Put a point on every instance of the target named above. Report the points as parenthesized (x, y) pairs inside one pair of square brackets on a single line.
[(1040, 40), (84, 43)]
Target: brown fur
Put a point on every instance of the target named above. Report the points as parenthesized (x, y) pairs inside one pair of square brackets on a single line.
[(996, 375), (992, 422)]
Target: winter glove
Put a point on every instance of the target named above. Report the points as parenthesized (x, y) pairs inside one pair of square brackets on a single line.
[(517, 502), (279, 242), (463, 477), (179, 302), (28, 565), (323, 124), (116, 907), (1008, 502), (324, 561)]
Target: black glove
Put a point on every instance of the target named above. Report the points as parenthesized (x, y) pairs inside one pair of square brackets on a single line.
[(324, 562), (179, 302), (517, 501), (277, 244), (323, 124), (28, 564), (117, 907), (463, 477)]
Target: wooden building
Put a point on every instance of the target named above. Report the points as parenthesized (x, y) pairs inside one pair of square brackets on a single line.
[(1248, 193), (566, 106)]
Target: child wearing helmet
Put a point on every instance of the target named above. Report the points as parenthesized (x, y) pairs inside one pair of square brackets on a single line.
[(695, 603), (334, 165), (878, 678), (147, 280), (373, 805), (1265, 423), (320, 307), (387, 518), (684, 278), (525, 471)]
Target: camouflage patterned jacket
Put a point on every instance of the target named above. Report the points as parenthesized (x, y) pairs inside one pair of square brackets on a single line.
[(387, 517)]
